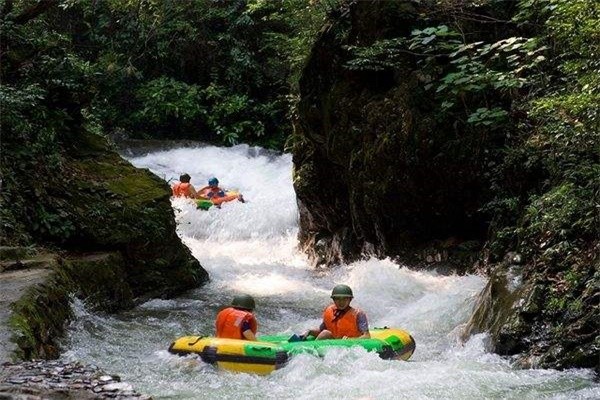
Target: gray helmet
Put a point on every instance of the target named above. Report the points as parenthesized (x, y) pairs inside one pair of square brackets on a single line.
[(244, 301), (185, 178), (340, 291)]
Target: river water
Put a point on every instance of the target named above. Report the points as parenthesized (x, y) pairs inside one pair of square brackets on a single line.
[(252, 248)]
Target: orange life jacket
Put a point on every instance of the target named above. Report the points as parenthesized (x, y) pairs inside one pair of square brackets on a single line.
[(229, 323), (207, 190), (181, 189), (344, 325)]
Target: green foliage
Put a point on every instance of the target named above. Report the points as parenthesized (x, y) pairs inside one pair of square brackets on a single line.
[(485, 116), (43, 86), (228, 107), (164, 99), (52, 223), (295, 25), (152, 67), (560, 140), (458, 71)]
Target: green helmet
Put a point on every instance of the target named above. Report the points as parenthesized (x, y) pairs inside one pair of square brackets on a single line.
[(244, 301), (341, 291)]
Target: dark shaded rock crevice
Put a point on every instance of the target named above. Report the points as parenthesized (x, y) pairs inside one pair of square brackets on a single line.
[(377, 172)]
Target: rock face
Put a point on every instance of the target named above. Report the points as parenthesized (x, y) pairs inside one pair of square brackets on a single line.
[(115, 206), (376, 171), (14, 282), (547, 318), (95, 201)]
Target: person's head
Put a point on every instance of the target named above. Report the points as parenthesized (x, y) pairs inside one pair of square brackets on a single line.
[(342, 296), (213, 182), (243, 302), (185, 178)]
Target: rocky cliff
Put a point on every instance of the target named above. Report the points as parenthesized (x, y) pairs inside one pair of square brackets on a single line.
[(109, 227), (377, 171)]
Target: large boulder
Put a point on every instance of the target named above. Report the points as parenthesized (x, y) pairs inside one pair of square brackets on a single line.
[(376, 170), (84, 197)]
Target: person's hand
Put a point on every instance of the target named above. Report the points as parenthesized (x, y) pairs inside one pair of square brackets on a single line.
[(344, 337)]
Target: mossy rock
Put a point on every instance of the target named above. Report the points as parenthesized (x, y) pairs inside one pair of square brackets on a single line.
[(39, 317)]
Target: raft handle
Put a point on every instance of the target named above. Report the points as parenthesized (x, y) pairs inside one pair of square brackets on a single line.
[(263, 349), (209, 355), (196, 341)]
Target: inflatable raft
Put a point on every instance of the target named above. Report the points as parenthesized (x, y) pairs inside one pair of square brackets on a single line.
[(269, 353), (205, 204)]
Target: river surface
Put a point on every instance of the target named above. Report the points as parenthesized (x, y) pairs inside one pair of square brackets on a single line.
[(252, 248)]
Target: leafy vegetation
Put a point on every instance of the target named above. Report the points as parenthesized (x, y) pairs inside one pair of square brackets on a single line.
[(461, 73), (220, 71), (559, 142)]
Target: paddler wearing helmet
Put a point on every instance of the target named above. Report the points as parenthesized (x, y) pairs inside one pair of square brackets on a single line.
[(184, 188), (340, 320), (237, 321), (214, 191)]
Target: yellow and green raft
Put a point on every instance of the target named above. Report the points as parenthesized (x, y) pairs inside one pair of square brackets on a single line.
[(269, 353)]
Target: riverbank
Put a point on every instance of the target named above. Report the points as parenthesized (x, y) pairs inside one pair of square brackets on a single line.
[(35, 290)]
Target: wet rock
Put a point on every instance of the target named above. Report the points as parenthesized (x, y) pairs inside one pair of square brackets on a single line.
[(50, 380), (120, 386)]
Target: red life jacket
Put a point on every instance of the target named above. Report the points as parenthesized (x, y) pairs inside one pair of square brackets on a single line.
[(344, 325), (181, 189), (230, 320)]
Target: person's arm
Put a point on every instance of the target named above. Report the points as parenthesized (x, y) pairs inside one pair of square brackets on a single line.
[(249, 335), (312, 332), (363, 325), (247, 330), (192, 192), (315, 332), (201, 194)]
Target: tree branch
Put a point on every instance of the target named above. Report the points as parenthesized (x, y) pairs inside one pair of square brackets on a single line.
[(34, 11)]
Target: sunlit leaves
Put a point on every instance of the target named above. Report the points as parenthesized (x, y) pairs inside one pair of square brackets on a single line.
[(487, 117)]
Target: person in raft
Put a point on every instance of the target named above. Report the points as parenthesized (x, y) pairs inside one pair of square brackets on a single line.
[(184, 188), (238, 321), (340, 321), (214, 191)]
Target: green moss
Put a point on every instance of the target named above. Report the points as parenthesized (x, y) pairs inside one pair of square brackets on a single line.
[(38, 319), (39, 316), (556, 304), (136, 187)]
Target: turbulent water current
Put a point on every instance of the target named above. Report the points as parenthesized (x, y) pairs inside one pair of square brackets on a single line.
[(252, 248)]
